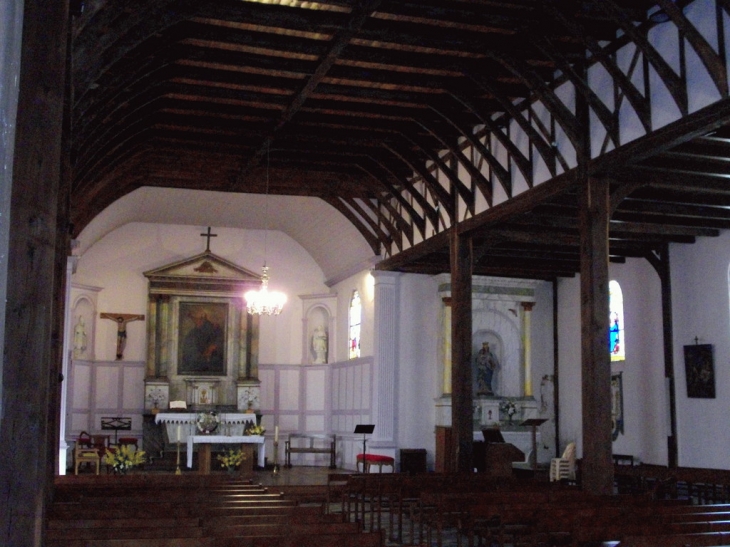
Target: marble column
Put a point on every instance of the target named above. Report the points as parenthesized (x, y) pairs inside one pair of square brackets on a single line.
[(385, 353), (164, 341), (151, 368), (446, 334), (527, 345)]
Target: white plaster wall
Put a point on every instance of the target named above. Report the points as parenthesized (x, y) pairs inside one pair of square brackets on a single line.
[(569, 375), (364, 283), (542, 364), (116, 263), (419, 372), (645, 403), (701, 309), (645, 407)]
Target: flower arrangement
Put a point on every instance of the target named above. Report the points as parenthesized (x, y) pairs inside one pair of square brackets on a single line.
[(508, 408), (254, 430), (123, 458), (231, 459), (156, 396)]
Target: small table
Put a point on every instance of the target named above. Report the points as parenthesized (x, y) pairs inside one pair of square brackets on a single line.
[(247, 442)]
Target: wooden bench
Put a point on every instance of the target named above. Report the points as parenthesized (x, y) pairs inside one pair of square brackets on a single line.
[(314, 445)]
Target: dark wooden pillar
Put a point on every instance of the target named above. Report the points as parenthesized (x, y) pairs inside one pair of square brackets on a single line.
[(27, 387), (461, 381), (597, 465)]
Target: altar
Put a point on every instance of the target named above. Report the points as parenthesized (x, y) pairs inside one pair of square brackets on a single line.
[(247, 442), (181, 425)]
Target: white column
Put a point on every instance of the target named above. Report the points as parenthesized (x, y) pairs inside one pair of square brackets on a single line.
[(65, 365), (385, 353), (527, 344)]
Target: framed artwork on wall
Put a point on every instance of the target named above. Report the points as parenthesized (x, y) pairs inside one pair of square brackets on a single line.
[(202, 338), (617, 405), (700, 370)]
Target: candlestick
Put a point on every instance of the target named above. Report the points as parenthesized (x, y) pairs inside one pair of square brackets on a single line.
[(276, 454)]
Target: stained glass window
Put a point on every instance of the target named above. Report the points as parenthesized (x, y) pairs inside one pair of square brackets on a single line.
[(355, 318), (616, 339)]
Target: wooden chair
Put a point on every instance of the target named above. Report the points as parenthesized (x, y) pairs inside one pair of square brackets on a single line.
[(85, 452)]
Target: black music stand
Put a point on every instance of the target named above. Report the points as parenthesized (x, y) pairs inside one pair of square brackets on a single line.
[(534, 423), (364, 429)]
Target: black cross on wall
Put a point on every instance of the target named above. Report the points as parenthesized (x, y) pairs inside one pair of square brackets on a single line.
[(208, 234)]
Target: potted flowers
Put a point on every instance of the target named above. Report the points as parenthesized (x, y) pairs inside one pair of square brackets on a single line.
[(123, 458), (508, 408), (231, 459)]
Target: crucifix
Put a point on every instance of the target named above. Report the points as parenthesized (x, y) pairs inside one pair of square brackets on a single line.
[(208, 235), (121, 319)]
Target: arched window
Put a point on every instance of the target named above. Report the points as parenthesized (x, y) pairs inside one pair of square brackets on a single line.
[(355, 318), (616, 339)]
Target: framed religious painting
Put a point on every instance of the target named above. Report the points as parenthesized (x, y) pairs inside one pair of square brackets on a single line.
[(699, 367), (617, 405), (202, 335)]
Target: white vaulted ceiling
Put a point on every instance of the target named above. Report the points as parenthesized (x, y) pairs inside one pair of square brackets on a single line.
[(331, 240)]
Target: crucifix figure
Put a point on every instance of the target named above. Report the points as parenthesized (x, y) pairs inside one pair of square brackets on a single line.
[(208, 235), (121, 319)]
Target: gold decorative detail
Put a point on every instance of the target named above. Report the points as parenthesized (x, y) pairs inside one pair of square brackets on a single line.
[(206, 267)]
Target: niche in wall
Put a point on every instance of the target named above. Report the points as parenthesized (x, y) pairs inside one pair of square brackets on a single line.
[(318, 329)]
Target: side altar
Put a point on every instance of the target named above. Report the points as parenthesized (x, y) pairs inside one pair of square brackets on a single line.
[(501, 349)]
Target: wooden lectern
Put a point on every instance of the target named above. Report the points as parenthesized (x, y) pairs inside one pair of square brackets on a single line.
[(533, 423)]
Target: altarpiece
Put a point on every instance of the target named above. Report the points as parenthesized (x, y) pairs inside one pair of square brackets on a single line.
[(202, 345)]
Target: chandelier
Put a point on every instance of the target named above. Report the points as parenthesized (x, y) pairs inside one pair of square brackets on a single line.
[(263, 301)]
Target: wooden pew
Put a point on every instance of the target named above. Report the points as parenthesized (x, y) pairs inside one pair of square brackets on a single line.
[(156, 542)]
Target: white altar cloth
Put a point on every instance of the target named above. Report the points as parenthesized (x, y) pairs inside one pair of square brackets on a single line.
[(239, 439), (231, 423)]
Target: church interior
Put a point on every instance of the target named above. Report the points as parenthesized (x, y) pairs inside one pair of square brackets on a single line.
[(501, 229)]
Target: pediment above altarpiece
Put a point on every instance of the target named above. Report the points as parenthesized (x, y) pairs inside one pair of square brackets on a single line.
[(202, 274)]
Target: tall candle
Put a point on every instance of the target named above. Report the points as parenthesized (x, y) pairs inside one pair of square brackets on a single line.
[(276, 434), (178, 432)]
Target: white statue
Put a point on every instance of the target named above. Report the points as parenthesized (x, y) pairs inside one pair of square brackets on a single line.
[(80, 337), (319, 345)]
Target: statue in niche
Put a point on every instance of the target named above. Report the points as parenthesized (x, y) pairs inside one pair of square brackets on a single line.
[(319, 345), (486, 363), (80, 337)]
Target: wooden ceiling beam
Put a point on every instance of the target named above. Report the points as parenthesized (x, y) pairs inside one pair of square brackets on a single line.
[(341, 39)]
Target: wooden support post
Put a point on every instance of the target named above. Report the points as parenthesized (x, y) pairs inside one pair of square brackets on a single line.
[(597, 468), (28, 375), (461, 377), (668, 328)]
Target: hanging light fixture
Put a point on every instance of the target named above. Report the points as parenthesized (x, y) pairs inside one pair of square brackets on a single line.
[(263, 301)]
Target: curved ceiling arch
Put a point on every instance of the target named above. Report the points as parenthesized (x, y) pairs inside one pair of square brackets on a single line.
[(322, 231)]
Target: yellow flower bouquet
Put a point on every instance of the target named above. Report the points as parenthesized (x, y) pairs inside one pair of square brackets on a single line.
[(123, 458), (254, 430), (231, 459)]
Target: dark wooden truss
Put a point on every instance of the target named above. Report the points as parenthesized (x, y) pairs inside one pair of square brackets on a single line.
[(414, 118)]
